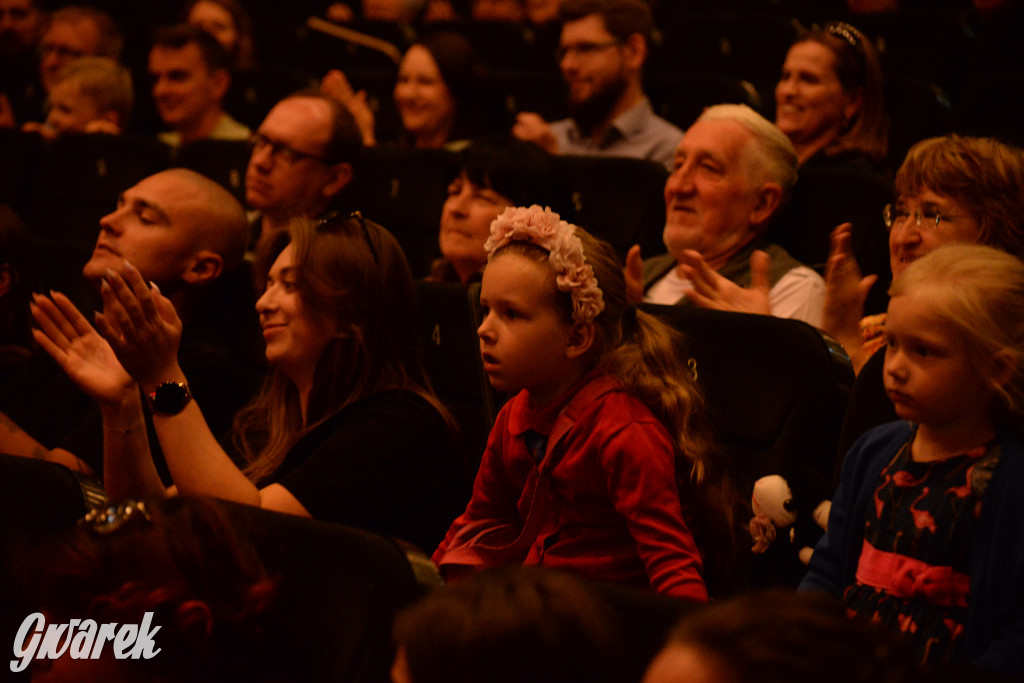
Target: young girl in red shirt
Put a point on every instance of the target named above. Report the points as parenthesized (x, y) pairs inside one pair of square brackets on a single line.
[(601, 463)]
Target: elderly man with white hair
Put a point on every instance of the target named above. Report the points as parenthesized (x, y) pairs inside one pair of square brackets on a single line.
[(733, 171)]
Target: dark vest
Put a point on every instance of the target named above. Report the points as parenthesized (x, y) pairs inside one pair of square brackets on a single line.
[(736, 269)]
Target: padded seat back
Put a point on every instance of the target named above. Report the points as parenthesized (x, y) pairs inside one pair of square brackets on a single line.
[(403, 190), (449, 317), (80, 178), (776, 390), (822, 199), (618, 199), (340, 589), (222, 160)]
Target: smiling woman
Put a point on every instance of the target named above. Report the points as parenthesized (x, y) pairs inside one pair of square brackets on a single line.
[(346, 428), (829, 98), (494, 173), (442, 94)]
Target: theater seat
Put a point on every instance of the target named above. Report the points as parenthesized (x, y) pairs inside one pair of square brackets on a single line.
[(340, 589), (776, 390), (222, 160), (449, 316), (403, 190), (618, 199), (681, 98), (822, 199), (80, 178)]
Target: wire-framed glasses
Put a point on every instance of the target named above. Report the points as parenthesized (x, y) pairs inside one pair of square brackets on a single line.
[(928, 217)]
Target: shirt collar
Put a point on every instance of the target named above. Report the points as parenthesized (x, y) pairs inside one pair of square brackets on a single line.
[(629, 123), (526, 416)]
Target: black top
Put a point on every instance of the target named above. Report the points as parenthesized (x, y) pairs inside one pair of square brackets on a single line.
[(387, 463)]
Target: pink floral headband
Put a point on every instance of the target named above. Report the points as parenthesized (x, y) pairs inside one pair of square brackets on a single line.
[(547, 230)]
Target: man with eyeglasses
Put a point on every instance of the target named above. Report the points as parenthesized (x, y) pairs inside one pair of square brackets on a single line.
[(76, 31), (20, 24), (302, 157), (602, 50)]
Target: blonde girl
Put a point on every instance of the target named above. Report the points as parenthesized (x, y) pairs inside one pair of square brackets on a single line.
[(580, 470), (925, 532)]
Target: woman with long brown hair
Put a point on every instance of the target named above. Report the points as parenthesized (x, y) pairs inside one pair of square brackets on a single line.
[(346, 428)]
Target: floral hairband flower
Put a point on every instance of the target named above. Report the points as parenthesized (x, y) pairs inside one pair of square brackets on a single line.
[(547, 230)]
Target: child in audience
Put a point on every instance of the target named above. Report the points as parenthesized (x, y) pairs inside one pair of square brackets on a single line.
[(925, 532), (580, 471), (92, 95)]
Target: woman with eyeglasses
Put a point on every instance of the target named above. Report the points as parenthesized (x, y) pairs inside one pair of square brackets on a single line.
[(949, 189), (346, 427), (829, 101)]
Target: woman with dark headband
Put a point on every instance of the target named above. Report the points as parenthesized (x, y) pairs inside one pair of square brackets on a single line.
[(346, 428), (829, 98)]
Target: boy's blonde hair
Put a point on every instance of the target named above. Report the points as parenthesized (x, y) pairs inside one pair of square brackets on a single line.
[(105, 82), (978, 291)]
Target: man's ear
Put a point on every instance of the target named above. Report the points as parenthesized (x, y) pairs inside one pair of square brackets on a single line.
[(221, 83), (580, 340), (341, 175), (769, 198), (635, 50), (206, 266)]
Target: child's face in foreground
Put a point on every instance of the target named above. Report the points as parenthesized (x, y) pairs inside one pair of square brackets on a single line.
[(70, 110), (523, 336), (929, 374)]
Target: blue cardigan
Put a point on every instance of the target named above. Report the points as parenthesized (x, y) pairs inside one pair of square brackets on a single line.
[(994, 635)]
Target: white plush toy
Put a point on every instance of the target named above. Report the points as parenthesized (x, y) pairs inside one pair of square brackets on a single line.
[(773, 507)]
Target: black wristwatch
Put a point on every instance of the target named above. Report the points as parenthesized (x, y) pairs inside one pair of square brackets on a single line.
[(170, 398)]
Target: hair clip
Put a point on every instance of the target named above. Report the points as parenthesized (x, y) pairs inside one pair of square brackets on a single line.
[(847, 32), (107, 520)]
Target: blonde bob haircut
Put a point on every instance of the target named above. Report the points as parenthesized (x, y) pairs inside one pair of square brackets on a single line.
[(107, 84), (978, 292)]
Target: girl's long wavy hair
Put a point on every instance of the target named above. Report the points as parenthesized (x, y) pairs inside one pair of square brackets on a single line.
[(643, 353), (353, 276)]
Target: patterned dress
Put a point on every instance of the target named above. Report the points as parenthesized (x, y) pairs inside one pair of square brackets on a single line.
[(912, 575)]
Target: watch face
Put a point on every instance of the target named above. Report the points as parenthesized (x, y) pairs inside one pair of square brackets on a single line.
[(170, 398)]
